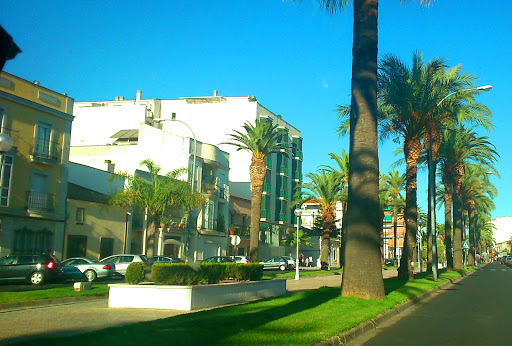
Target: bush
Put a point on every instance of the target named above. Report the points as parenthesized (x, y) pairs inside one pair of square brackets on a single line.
[(135, 273), (204, 273)]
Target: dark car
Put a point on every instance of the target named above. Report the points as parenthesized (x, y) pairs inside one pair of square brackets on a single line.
[(167, 259), (219, 259), (388, 262), (33, 268)]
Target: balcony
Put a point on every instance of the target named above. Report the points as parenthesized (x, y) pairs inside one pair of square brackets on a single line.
[(297, 175), (297, 154), (267, 188), (282, 193), (266, 214), (283, 217), (283, 170), (40, 201), (44, 151)]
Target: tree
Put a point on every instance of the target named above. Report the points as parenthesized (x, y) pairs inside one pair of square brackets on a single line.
[(260, 140), (463, 146), (343, 164), (156, 194), (324, 188), (304, 239), (394, 184)]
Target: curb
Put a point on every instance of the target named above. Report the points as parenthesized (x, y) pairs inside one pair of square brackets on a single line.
[(51, 301), (351, 335)]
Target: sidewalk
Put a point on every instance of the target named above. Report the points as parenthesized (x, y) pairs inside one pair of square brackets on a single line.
[(25, 323)]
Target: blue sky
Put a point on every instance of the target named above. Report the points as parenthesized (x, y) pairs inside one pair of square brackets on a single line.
[(292, 56)]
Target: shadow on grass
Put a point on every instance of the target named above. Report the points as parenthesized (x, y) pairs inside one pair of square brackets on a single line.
[(203, 327)]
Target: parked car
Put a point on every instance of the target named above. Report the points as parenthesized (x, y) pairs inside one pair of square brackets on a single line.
[(121, 262), (33, 268), (167, 259), (388, 262), (219, 259), (279, 262), (241, 259), (291, 261), (92, 269), (72, 273)]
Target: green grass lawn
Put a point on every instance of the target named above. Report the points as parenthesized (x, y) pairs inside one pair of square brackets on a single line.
[(300, 318), (291, 273), (51, 292)]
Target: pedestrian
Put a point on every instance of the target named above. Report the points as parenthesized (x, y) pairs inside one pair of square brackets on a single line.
[(412, 266), (307, 261), (477, 260), (310, 261)]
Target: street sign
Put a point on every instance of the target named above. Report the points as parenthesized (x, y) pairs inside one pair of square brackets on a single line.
[(235, 240), (465, 245)]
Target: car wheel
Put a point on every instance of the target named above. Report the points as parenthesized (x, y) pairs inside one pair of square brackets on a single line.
[(90, 275), (282, 267), (36, 278)]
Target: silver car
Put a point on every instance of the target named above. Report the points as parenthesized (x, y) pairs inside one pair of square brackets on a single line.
[(90, 268), (122, 262)]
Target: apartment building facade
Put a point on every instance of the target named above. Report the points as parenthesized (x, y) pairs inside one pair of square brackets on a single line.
[(210, 119), (34, 172)]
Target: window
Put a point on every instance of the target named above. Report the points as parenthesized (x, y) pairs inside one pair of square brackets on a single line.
[(42, 140), (106, 247), (5, 179), (80, 212), (27, 241), (77, 246)]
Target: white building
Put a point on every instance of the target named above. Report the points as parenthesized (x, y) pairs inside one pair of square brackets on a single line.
[(212, 119)]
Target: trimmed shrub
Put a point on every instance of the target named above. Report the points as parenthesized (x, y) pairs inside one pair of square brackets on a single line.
[(204, 273), (135, 273)]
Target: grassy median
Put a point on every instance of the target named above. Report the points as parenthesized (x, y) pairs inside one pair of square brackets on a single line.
[(300, 318), (44, 292)]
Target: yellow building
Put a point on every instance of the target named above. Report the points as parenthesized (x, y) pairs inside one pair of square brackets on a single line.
[(34, 172)]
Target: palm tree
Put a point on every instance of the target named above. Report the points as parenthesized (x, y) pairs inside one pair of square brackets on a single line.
[(343, 164), (157, 195), (324, 188), (260, 140), (462, 146), (394, 184), (304, 239)]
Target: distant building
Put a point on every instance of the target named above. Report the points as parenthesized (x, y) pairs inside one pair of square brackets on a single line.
[(388, 233), (34, 173)]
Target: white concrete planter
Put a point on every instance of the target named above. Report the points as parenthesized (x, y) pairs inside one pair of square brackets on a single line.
[(149, 296)]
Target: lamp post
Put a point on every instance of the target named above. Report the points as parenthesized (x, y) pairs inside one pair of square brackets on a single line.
[(173, 118), (5, 143), (298, 213), (431, 224)]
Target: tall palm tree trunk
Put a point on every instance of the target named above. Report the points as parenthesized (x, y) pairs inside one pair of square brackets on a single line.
[(342, 250), (257, 171), (395, 225), (362, 274), (472, 234), (328, 220), (448, 226), (412, 149), (457, 219)]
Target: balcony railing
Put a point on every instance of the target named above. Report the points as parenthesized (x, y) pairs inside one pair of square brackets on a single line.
[(298, 154), (283, 217), (241, 230), (45, 149), (209, 224), (40, 201), (267, 188), (297, 175)]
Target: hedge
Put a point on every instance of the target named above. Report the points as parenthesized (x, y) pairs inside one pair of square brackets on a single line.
[(204, 273), (135, 273)]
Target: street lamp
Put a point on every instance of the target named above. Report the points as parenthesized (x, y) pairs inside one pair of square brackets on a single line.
[(5, 143), (173, 118), (432, 181), (298, 213)]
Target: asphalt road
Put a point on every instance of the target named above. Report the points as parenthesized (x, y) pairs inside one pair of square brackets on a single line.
[(475, 311)]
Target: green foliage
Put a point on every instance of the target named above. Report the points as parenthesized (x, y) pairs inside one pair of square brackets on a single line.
[(291, 238), (135, 273), (205, 273)]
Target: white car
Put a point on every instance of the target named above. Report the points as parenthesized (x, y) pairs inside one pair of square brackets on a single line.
[(241, 259), (122, 262), (291, 261), (90, 268)]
